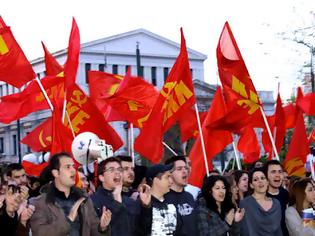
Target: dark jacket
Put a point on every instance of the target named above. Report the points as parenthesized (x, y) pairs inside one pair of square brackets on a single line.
[(209, 223), (11, 226), (49, 218), (160, 219), (124, 215)]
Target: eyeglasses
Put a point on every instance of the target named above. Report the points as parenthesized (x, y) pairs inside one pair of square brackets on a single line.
[(112, 169)]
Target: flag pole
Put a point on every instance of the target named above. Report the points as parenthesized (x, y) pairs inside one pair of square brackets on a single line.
[(51, 106), (45, 94), (237, 157), (202, 141), (269, 133), (132, 149), (169, 148)]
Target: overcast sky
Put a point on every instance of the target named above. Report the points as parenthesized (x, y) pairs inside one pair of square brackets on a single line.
[(256, 26)]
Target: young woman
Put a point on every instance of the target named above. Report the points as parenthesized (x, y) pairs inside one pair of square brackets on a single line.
[(233, 189), (302, 196), (263, 214), (216, 214), (241, 178)]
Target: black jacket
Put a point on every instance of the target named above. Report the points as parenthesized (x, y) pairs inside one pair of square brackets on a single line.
[(124, 215)]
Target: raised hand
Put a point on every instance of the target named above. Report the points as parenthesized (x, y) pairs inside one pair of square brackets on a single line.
[(239, 214), (117, 193), (26, 214), (145, 194), (24, 192), (230, 216), (74, 210), (105, 219)]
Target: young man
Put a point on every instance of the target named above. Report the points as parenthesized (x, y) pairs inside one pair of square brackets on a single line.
[(64, 209), (124, 209), (161, 218), (274, 172), (128, 174), (177, 195), (16, 176)]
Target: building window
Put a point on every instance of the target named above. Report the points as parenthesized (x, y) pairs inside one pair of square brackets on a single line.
[(1, 91), (14, 142), (7, 89), (153, 75), (87, 69), (126, 69), (101, 67), (115, 69), (191, 73), (165, 70), (1, 145)]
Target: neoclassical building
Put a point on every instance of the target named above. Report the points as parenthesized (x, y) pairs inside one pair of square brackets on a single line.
[(114, 54)]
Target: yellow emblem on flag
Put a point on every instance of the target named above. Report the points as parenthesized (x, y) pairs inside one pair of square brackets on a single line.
[(3, 46)]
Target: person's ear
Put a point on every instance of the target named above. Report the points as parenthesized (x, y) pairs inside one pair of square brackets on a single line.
[(55, 173), (101, 178)]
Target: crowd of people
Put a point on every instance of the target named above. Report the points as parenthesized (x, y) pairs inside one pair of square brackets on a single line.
[(121, 199)]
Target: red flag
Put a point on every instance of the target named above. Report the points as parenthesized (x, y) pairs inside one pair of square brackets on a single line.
[(298, 149), (311, 137), (215, 141), (102, 86), (32, 169), (72, 63), (15, 69), (39, 140), (234, 75), (248, 145), (134, 100), (61, 135), (175, 99), (188, 125), (278, 129), (52, 65), (307, 104), (31, 99), (290, 115), (85, 116)]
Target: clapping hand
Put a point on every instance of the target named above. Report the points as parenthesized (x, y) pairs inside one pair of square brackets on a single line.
[(145, 194), (239, 214), (105, 219)]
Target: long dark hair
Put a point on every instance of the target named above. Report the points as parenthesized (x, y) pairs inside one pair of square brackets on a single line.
[(206, 192)]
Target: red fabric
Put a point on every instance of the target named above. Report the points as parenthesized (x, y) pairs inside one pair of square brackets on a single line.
[(311, 137), (52, 65), (290, 115), (175, 100), (15, 69), (85, 116), (215, 141), (39, 140), (32, 169), (248, 145), (103, 85), (236, 79), (278, 129), (188, 125), (31, 99), (298, 149), (72, 62), (307, 104), (134, 100)]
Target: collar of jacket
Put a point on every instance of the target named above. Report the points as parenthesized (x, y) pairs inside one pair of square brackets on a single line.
[(53, 192)]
